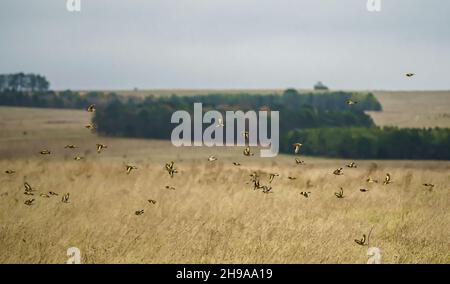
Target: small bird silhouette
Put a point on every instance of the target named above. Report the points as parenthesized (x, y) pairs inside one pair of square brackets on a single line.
[(65, 198), (361, 242), (45, 152), (129, 168), (410, 75), (91, 108), (297, 147), (429, 185), (100, 147), (28, 187), (78, 158), (219, 123), (52, 193), (247, 151), (139, 212), (272, 176), (254, 176), (363, 190), (151, 201), (170, 187), (387, 179), (340, 193), (170, 169), (338, 172), (212, 158), (29, 202), (256, 184), (266, 189), (10, 172), (291, 178), (352, 165), (305, 193), (236, 164), (299, 162), (90, 126), (70, 146), (371, 180), (351, 102)]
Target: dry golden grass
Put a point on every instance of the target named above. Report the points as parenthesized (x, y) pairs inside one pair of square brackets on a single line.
[(213, 216)]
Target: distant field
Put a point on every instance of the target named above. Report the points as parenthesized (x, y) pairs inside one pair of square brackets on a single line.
[(413, 109), (213, 215)]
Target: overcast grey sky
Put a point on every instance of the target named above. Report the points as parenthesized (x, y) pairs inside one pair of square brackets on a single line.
[(117, 44)]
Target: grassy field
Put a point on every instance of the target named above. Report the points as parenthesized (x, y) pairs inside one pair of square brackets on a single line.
[(213, 215)]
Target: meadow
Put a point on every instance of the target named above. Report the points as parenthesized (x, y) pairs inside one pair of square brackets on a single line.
[(213, 214)]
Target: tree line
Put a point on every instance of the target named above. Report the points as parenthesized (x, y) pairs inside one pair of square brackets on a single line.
[(322, 121), (371, 142), (21, 82)]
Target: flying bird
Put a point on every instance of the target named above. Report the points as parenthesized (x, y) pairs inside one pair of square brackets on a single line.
[(171, 169), (338, 172), (340, 193), (29, 202), (371, 180), (387, 179), (236, 164), (100, 147), (78, 158), (170, 187), (212, 158), (429, 185), (363, 190), (28, 187), (219, 123), (139, 212), (10, 172), (90, 126), (361, 242), (91, 108), (151, 201), (299, 162), (65, 198), (272, 176), (352, 165), (351, 102), (409, 75), (247, 151), (266, 189), (305, 193), (52, 193), (45, 152), (129, 168), (297, 147), (291, 178), (70, 146)]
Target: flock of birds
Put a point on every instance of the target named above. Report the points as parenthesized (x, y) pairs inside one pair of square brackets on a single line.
[(255, 179)]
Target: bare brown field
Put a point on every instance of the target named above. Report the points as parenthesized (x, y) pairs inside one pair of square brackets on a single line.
[(413, 109), (213, 215)]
